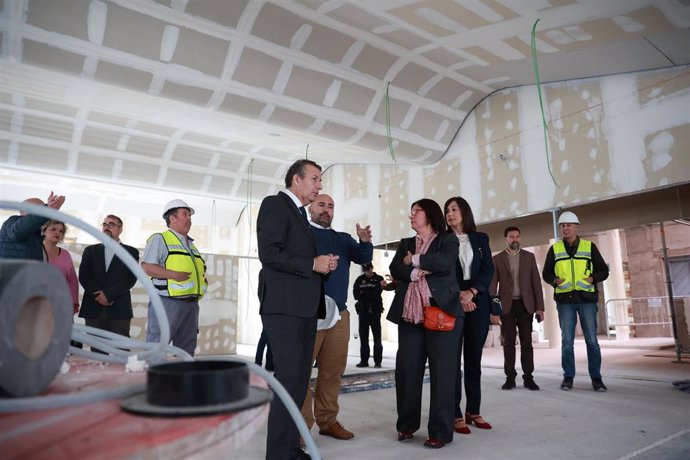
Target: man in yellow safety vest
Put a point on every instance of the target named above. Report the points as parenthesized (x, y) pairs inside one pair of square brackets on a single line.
[(574, 266), (178, 272)]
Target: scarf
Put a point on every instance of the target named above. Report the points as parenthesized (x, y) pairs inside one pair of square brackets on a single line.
[(418, 292)]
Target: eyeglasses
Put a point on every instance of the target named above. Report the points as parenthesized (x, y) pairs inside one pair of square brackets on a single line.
[(110, 225), (415, 211)]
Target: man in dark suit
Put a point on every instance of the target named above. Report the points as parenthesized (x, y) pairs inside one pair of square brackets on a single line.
[(519, 287), (291, 294), (107, 302)]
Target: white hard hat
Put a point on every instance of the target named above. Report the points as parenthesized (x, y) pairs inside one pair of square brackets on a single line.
[(177, 203), (568, 218)]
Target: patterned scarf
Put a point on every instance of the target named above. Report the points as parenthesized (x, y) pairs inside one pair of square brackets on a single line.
[(418, 292)]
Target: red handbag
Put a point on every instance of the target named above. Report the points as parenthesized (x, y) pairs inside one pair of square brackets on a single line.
[(436, 319)]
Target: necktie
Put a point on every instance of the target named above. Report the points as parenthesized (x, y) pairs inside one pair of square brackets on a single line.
[(304, 214)]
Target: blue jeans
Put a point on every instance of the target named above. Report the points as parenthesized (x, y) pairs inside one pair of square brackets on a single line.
[(567, 317)]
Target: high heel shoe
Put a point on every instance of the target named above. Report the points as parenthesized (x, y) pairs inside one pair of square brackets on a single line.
[(405, 436), (478, 421), (461, 427)]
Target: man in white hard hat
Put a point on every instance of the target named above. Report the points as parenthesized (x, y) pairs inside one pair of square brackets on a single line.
[(573, 267), (178, 272)]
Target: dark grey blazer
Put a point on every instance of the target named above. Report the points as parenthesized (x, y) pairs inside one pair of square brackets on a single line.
[(115, 283), (440, 260), (287, 283)]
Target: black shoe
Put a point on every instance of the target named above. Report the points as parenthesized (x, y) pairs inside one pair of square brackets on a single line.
[(531, 384), (509, 385), (567, 384), (377, 365), (599, 386), (362, 365), (299, 454)]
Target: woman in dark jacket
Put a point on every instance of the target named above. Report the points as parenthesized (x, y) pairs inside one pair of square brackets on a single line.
[(424, 268), (474, 270)]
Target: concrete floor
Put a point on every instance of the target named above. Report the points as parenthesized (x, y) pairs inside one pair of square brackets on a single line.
[(641, 416)]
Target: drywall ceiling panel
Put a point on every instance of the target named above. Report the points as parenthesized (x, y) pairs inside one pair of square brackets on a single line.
[(257, 188), (353, 98), (200, 52), (48, 57), (5, 120), (373, 142), (446, 91), (356, 17), (412, 77), (202, 138), (267, 168), (47, 128), (404, 38), (182, 179), (93, 165), (308, 85), (257, 69), (100, 138), (67, 17), (241, 105), (108, 119), (278, 25), (155, 128), (443, 57), (192, 155), (337, 132), (427, 124), (221, 185), (49, 107), (5, 154), (327, 44), (122, 76), (191, 94), (227, 13), (229, 162), (374, 61), (147, 147), (291, 119), (673, 45), (133, 33), (37, 156), (398, 112), (135, 171)]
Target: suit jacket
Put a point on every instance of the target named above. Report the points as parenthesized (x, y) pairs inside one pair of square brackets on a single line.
[(287, 283), (481, 270), (529, 281), (115, 283), (440, 261)]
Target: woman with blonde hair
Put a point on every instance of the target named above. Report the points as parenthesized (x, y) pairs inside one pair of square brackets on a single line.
[(53, 233)]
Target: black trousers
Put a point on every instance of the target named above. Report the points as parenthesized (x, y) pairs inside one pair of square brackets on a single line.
[(519, 318), (370, 320), (117, 326), (471, 347), (415, 346), (292, 342)]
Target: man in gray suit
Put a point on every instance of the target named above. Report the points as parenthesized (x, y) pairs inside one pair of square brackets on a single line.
[(519, 287), (291, 294)]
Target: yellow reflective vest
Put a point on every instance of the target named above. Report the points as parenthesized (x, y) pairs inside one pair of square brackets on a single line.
[(180, 260), (573, 270)]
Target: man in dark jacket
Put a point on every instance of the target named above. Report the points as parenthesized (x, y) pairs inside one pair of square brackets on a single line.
[(107, 302), (367, 291), (20, 236)]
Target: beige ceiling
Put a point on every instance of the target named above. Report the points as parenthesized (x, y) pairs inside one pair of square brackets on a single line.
[(218, 97)]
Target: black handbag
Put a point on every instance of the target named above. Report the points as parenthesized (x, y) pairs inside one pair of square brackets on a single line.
[(495, 305)]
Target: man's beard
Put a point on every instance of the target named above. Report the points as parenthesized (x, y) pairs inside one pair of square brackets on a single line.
[(514, 246), (324, 220)]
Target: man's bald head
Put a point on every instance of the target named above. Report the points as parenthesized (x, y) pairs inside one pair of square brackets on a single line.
[(36, 201), (321, 210)]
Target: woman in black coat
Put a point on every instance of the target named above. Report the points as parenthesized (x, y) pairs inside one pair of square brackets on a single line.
[(474, 270), (424, 268)]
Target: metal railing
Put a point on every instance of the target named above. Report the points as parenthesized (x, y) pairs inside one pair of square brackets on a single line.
[(654, 309)]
